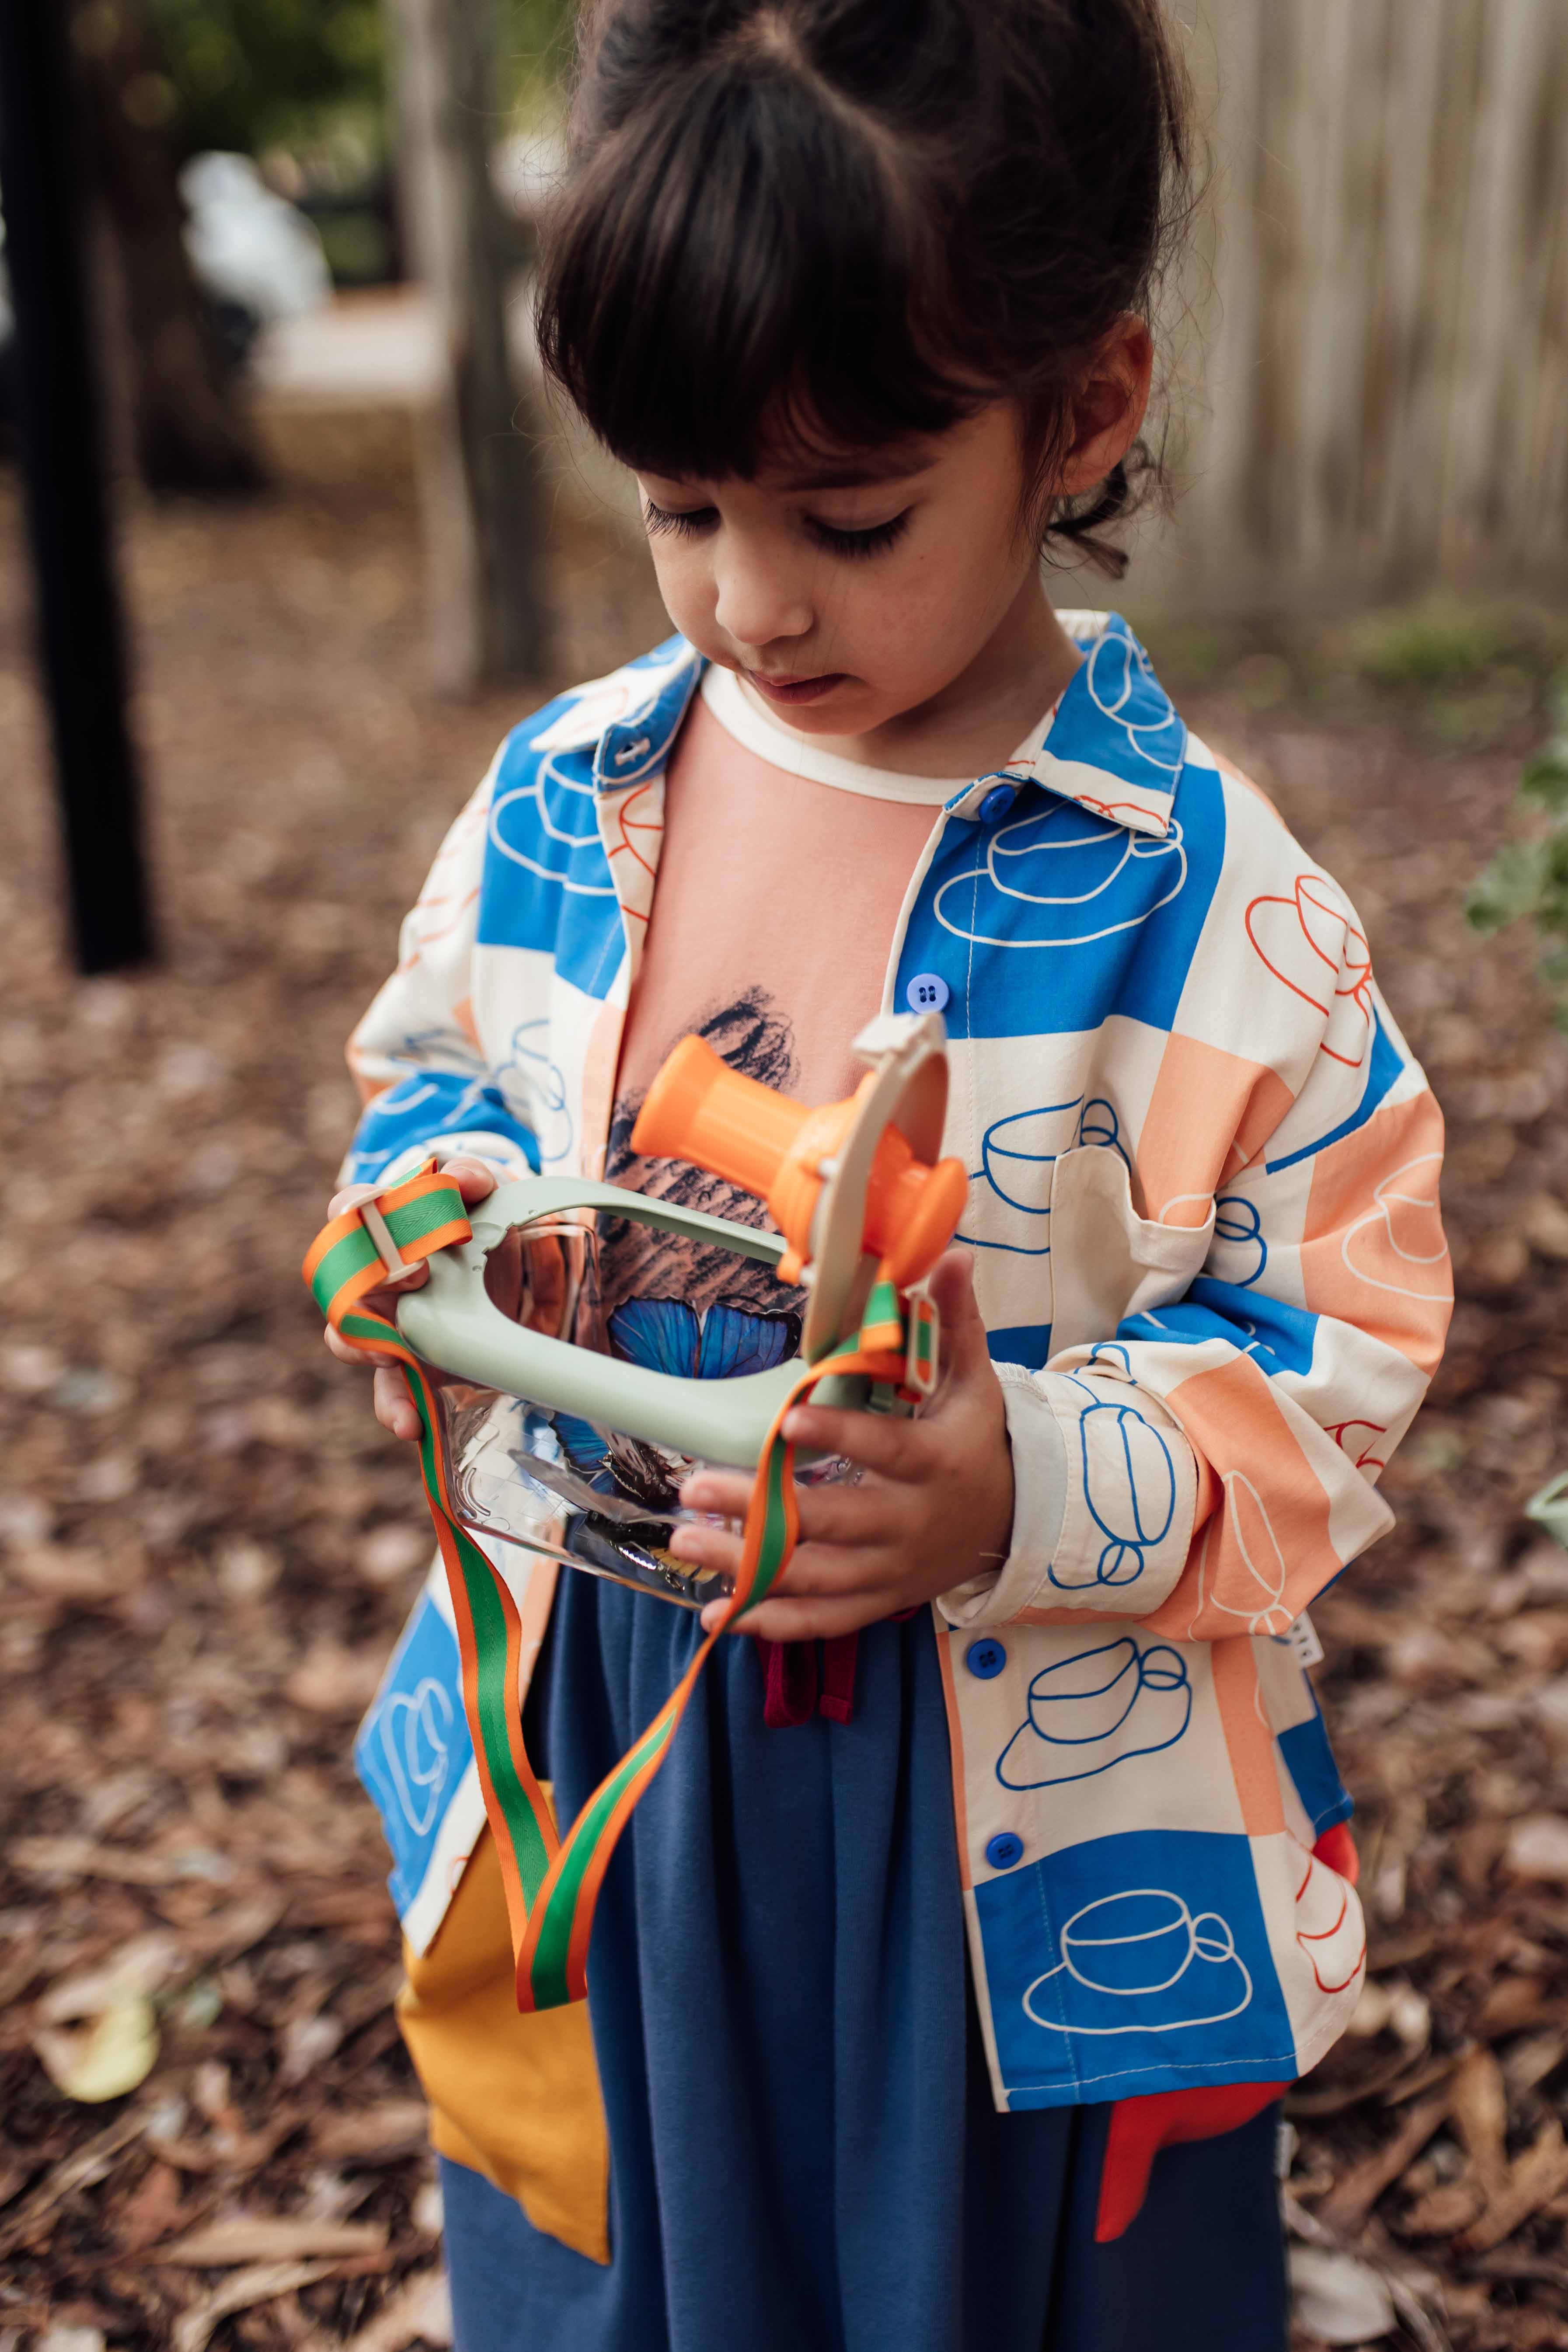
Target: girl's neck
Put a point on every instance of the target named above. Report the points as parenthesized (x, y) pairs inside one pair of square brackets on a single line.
[(978, 720)]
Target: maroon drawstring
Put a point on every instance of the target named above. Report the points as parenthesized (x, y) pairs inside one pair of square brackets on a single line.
[(793, 1686), (806, 1678)]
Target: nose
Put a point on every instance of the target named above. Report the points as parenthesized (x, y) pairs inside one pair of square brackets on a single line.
[(757, 599)]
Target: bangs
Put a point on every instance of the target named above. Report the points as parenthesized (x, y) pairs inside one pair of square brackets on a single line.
[(734, 275)]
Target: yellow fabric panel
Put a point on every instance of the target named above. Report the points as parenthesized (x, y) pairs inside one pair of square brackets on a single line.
[(516, 2099)]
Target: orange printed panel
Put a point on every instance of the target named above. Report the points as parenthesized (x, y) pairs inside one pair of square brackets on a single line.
[(1248, 1740), (1264, 1551), (1203, 1098), (599, 1084), (1372, 1253)]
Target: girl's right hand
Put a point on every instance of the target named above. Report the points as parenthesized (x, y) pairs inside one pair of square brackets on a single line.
[(389, 1391)]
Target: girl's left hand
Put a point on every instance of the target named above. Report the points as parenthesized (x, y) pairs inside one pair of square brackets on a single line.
[(932, 1506)]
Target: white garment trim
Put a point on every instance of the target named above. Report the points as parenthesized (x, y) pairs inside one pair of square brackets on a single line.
[(797, 755)]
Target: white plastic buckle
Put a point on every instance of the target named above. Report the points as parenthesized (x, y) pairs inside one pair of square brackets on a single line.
[(395, 1264)]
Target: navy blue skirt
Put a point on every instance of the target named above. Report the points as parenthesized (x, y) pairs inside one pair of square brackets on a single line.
[(803, 2146)]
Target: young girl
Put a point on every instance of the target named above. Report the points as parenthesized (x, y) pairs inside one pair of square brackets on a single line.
[(1010, 1852)]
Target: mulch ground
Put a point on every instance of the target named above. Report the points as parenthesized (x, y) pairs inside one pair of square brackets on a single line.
[(206, 1546)]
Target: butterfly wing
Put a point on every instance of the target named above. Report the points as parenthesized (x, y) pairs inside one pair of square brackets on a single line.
[(661, 1334), (735, 1341)]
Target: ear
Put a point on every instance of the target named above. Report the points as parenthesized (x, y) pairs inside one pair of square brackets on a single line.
[(1109, 405)]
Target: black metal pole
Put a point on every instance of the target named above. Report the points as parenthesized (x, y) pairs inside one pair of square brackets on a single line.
[(82, 640)]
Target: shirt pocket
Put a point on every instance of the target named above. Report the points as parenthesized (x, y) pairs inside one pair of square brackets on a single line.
[(1106, 1262)]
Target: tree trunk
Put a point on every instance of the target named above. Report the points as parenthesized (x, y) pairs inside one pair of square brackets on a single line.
[(478, 482), (189, 428)]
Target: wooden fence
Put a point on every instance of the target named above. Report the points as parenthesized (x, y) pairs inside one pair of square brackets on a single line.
[(1369, 347)]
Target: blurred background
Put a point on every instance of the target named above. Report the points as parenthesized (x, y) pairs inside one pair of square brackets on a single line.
[(292, 479)]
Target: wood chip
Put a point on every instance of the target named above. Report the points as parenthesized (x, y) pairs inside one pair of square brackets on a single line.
[(1443, 2211), (265, 2283), (421, 2312), (263, 2237), (378, 2135), (1354, 2194)]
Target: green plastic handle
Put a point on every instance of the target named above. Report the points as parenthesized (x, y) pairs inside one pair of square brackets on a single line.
[(454, 1325)]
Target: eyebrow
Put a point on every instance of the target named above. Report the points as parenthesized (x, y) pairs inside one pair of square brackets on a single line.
[(863, 474)]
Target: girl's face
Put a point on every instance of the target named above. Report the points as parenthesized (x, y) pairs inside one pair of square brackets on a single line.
[(850, 594)]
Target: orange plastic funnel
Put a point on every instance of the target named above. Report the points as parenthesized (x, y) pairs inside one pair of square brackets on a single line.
[(700, 1110)]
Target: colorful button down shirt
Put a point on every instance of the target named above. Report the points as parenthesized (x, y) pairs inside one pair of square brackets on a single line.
[(1204, 1207)]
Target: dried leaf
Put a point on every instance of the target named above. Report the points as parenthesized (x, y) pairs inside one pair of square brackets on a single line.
[(1480, 2115), (1532, 2180), (332, 1681), (1512, 2002), (137, 1971), (1538, 1848), (1338, 2299), (118, 2050)]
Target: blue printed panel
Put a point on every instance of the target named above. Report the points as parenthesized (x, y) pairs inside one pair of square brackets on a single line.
[(1309, 1760), (547, 882), (1278, 1335), (1028, 1344), (1048, 922), (1383, 1066), (1116, 716), (413, 1747), (428, 1103), (1138, 1963)]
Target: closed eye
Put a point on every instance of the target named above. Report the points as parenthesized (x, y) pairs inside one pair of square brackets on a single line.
[(858, 543), (686, 522)]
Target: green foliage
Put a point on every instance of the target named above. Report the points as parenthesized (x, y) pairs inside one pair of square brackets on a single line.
[(1529, 878), (252, 74), (255, 73), (1433, 648)]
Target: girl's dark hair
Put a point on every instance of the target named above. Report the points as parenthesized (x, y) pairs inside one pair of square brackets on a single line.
[(843, 223)]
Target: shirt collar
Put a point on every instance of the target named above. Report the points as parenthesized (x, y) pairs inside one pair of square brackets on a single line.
[(1113, 742)]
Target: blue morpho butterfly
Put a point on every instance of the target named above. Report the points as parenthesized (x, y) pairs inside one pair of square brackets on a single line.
[(666, 1335)]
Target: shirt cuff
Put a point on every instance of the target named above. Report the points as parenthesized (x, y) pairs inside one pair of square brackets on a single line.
[(1039, 1505)]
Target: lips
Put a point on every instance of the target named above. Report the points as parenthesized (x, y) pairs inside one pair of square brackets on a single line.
[(795, 690)]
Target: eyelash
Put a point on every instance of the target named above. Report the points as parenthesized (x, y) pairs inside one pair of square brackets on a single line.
[(853, 545)]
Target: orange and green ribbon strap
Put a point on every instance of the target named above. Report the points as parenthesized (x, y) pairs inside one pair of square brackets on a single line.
[(553, 1883)]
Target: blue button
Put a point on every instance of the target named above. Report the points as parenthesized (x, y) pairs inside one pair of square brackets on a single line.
[(998, 800), (985, 1658), (1004, 1851), (926, 993)]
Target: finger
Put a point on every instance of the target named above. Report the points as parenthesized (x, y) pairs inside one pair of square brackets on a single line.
[(839, 1568), (702, 1546), (394, 1407), (965, 1353), (476, 1180), (338, 1347), (892, 1446), (842, 1513), (727, 1493)]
